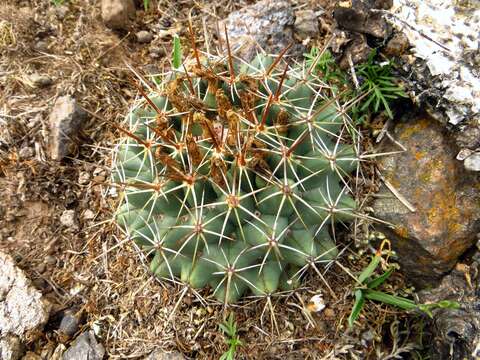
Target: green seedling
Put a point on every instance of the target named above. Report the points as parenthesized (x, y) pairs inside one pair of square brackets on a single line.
[(229, 329)]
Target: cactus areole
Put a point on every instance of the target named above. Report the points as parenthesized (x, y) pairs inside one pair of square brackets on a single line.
[(232, 175)]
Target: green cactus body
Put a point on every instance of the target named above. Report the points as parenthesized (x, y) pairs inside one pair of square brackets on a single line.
[(233, 184)]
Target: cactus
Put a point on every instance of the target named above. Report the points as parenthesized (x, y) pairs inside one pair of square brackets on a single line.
[(232, 174)]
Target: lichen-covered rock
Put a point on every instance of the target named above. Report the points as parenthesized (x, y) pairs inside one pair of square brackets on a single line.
[(265, 25), (22, 308), (65, 121), (445, 38), (445, 216)]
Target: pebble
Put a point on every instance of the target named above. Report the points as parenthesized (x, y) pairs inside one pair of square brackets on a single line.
[(49, 259), (26, 152), (61, 12), (472, 163), (68, 219), (41, 268), (88, 214), (40, 80), (84, 178), (463, 154), (144, 37), (69, 324), (156, 52), (41, 46)]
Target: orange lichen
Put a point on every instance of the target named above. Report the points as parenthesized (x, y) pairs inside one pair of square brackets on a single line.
[(409, 129), (401, 231)]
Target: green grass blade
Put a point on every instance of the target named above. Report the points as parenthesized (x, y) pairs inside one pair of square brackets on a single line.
[(368, 271), (381, 279), (357, 307), (393, 300), (177, 52)]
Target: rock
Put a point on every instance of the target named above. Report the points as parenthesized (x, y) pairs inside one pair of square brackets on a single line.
[(65, 121), (144, 37), (306, 23), (23, 311), (88, 215), (362, 20), (472, 163), (116, 14), (397, 45), (264, 25), (61, 11), (11, 348), (51, 260), (69, 219), (455, 332), (163, 355), (469, 137), (445, 200), (26, 152), (69, 325), (85, 347), (41, 46), (358, 50), (443, 65), (39, 80), (84, 178), (156, 52)]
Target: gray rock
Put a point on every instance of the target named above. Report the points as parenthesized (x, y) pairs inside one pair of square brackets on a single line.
[(472, 163), (443, 216), (23, 311), (40, 80), (69, 324), (85, 347), (306, 23), (116, 14), (144, 37), (265, 25), (163, 355), (11, 348), (65, 121), (41, 46), (456, 332)]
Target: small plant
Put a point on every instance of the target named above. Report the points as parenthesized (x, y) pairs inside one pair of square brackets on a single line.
[(325, 65), (378, 82), (233, 173), (367, 291), (58, 2), (229, 329)]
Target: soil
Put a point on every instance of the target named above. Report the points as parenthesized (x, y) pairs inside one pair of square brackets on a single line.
[(88, 266)]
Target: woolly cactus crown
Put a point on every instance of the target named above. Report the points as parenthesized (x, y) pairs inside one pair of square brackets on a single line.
[(232, 174)]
